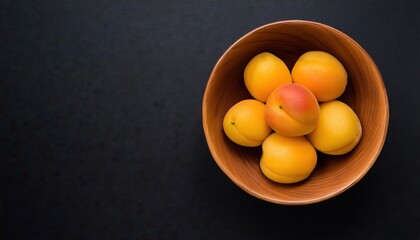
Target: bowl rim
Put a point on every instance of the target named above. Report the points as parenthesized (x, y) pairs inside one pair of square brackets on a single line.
[(315, 199)]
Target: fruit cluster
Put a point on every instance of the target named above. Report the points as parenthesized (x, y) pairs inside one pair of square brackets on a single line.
[(293, 114)]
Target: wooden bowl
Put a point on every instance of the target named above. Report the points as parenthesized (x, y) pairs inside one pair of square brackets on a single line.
[(365, 93)]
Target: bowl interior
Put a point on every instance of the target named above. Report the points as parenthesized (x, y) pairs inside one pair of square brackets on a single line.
[(365, 93)]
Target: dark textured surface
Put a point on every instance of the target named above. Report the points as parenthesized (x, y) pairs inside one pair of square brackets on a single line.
[(100, 122)]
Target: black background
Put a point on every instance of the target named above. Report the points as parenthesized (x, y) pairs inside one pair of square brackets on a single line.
[(101, 132)]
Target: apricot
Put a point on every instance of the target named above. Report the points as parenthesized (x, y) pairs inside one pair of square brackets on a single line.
[(292, 110), (264, 73), (338, 130), (287, 159), (322, 74), (244, 123)]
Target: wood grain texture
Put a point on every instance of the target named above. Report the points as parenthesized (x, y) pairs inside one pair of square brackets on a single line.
[(365, 93)]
